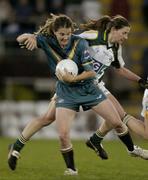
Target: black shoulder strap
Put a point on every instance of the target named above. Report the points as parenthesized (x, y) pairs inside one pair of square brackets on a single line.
[(115, 63)]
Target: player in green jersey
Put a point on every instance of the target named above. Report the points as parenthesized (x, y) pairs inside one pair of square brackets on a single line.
[(32, 41)]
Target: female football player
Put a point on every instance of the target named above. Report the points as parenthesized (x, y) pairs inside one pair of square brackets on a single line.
[(105, 36), (31, 41), (57, 41)]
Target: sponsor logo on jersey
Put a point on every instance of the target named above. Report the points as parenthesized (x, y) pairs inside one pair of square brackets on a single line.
[(97, 65)]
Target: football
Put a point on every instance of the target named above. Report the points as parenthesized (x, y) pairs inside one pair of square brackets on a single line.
[(69, 65)]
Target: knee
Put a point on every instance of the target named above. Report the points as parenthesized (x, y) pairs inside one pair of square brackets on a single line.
[(118, 125), (121, 128), (45, 120), (120, 131)]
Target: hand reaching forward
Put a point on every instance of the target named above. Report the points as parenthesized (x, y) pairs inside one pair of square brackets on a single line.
[(27, 41)]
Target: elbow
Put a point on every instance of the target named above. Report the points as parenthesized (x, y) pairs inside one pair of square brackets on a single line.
[(90, 73), (119, 70)]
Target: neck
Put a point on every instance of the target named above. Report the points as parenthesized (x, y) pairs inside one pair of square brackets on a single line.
[(110, 39)]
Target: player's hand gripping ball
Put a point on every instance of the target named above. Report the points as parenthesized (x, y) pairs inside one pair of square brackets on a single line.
[(66, 70)]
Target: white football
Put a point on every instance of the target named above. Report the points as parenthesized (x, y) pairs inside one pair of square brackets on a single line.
[(69, 65)]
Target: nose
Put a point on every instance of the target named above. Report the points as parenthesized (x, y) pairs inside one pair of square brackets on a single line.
[(66, 37)]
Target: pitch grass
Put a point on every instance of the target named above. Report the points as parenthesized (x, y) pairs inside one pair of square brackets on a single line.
[(41, 160)]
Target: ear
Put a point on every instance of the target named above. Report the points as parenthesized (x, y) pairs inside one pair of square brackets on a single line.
[(113, 29)]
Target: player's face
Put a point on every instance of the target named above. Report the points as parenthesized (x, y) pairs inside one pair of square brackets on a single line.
[(120, 35), (63, 35)]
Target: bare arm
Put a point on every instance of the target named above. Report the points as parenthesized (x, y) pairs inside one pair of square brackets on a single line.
[(28, 41), (128, 74), (84, 75), (67, 77), (132, 76)]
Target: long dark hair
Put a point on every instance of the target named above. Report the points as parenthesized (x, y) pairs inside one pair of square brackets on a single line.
[(106, 23), (53, 23)]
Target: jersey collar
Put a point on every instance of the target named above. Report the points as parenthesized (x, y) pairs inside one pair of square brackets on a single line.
[(105, 39)]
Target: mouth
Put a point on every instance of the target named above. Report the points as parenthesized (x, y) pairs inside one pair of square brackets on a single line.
[(121, 41), (64, 42)]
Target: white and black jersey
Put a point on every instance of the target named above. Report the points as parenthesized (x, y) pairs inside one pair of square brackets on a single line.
[(104, 54)]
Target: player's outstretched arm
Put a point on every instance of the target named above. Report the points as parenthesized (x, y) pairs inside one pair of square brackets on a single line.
[(128, 74), (27, 41)]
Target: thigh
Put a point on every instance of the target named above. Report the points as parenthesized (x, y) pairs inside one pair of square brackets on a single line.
[(64, 118), (50, 114), (115, 102), (117, 105), (108, 112)]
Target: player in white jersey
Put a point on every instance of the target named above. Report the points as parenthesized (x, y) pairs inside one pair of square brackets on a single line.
[(105, 38)]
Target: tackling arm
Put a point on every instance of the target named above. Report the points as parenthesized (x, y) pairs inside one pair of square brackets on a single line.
[(67, 77), (27, 41), (128, 74), (132, 76)]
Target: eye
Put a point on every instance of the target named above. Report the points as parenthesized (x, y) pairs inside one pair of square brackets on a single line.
[(124, 33), (62, 34)]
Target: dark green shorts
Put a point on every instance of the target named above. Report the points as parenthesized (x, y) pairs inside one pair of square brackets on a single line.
[(72, 97)]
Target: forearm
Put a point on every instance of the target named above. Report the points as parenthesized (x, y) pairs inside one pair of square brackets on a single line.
[(84, 75), (23, 37), (67, 77), (128, 74), (27, 41)]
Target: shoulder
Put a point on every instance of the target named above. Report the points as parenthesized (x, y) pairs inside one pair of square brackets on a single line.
[(89, 35), (40, 36), (44, 39), (81, 41)]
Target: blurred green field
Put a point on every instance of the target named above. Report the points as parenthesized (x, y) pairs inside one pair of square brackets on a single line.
[(41, 160)]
